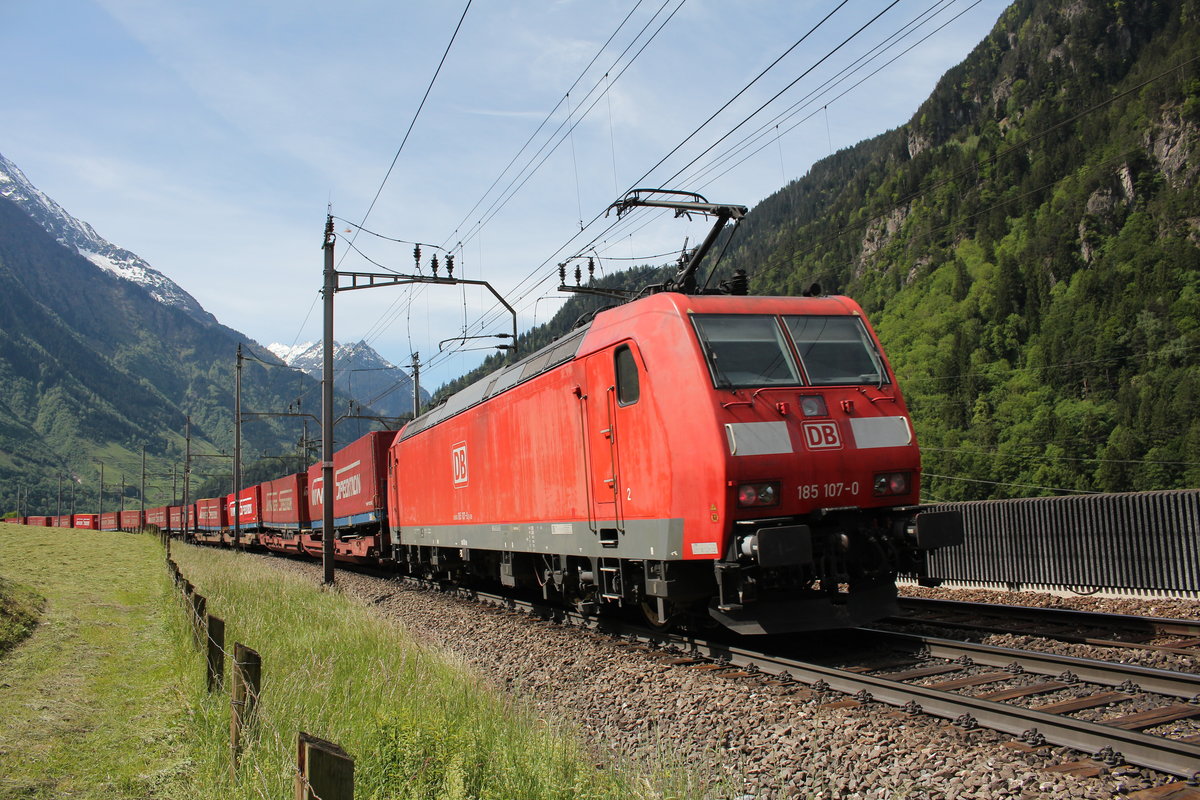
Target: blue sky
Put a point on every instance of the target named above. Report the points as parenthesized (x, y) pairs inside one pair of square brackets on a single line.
[(209, 138)]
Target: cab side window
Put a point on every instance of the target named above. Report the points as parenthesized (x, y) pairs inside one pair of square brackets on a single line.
[(628, 389)]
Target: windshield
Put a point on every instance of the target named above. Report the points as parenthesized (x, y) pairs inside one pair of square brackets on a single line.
[(836, 350), (746, 350)]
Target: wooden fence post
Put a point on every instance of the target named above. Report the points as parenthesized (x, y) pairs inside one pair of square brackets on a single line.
[(324, 771), (247, 677), (199, 606), (216, 652)]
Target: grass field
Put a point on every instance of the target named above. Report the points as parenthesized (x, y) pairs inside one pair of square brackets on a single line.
[(19, 610), (107, 697), (89, 703)]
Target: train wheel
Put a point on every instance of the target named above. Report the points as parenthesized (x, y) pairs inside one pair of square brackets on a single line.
[(661, 614), (583, 601)]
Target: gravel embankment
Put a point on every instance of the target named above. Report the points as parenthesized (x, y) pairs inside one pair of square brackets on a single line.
[(750, 738)]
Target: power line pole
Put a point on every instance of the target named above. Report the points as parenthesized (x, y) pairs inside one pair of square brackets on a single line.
[(327, 408), (416, 378), (59, 494), (101, 487), (142, 491), (237, 452), (187, 471)]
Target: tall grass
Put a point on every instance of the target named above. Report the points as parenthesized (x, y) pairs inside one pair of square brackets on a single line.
[(418, 725)]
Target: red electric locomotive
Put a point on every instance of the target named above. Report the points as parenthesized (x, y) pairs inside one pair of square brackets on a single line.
[(747, 458)]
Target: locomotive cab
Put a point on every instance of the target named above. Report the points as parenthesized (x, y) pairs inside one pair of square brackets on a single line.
[(822, 465)]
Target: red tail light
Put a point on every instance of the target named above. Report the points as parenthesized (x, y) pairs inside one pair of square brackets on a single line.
[(889, 484), (758, 495)]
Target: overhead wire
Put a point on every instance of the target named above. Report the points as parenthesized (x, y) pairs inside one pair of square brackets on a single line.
[(394, 310), (831, 83), (541, 266), (530, 169)]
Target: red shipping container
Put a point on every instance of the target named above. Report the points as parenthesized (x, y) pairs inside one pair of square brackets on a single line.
[(130, 520), (63, 521), (110, 521), (359, 480), (39, 522), (13, 520), (175, 517), (285, 502), (210, 514), (88, 521), (157, 516), (250, 509)]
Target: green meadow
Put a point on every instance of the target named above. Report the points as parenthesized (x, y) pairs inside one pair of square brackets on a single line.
[(107, 697)]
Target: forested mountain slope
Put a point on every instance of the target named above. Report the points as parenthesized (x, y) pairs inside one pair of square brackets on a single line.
[(1027, 247)]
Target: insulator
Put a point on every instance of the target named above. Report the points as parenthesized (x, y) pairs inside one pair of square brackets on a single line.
[(591, 269), (450, 265), (433, 263), (417, 256), (739, 284), (562, 272), (578, 274)]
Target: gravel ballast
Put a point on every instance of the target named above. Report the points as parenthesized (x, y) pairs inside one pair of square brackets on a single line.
[(742, 737)]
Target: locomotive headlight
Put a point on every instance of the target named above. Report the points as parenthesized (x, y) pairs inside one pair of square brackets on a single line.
[(758, 495), (813, 405), (892, 483)]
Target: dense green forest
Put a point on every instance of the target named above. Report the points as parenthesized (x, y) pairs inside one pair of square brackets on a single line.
[(1028, 248)]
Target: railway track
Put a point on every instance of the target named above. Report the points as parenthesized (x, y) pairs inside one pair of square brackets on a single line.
[(927, 675), (1177, 636), (930, 675)]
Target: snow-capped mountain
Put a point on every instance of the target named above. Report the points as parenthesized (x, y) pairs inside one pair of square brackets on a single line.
[(81, 237), (359, 371)]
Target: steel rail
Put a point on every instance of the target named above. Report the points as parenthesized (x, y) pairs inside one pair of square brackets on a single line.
[(1108, 673), (1094, 738), (1063, 616)]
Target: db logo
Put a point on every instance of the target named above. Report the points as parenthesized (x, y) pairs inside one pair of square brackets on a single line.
[(822, 436), (459, 458)]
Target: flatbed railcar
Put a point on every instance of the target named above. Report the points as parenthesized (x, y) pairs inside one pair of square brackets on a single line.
[(359, 496), (246, 511), (285, 513), (158, 517)]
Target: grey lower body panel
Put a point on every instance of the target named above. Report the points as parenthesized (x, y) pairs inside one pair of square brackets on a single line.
[(658, 539)]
